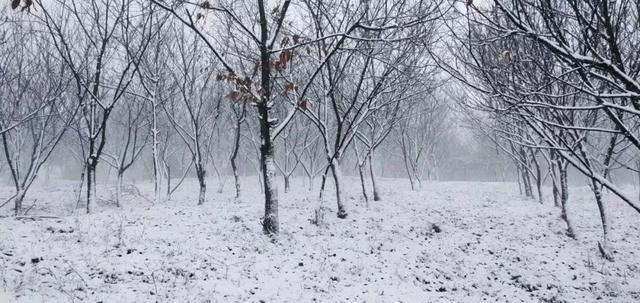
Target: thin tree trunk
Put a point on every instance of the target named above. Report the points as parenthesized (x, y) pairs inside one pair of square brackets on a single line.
[(556, 193), (154, 154), (234, 156), (364, 188), (337, 179), (200, 173), (90, 184), (528, 192), (323, 182), (236, 178), (604, 245), (82, 173), (286, 183), (95, 184), (18, 201), (518, 178), (310, 182), (538, 179), (405, 157), (526, 179), (374, 184), (564, 198), (17, 206), (554, 179), (168, 175), (119, 187)]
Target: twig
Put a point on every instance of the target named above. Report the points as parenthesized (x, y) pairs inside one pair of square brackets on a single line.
[(35, 217), (32, 205), (8, 200)]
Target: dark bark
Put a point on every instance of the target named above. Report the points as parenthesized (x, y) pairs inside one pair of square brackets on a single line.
[(337, 179), (201, 174), (604, 245), (236, 148), (287, 184), (270, 223), (564, 197), (90, 172), (538, 178), (18, 202), (363, 186), (119, 180), (374, 183), (554, 179)]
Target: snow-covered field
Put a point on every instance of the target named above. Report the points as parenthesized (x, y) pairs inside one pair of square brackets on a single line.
[(449, 242)]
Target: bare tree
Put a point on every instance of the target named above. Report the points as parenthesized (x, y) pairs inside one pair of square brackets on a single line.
[(32, 82), (100, 42), (195, 112), (419, 133), (132, 135), (529, 79), (239, 111), (262, 47)]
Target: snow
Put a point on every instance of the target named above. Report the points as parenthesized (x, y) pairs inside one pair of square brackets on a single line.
[(449, 242)]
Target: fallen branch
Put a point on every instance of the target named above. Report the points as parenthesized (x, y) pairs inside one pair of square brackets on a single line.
[(34, 218)]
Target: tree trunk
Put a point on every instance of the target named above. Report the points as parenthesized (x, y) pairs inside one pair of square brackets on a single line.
[(310, 182), (604, 245), (538, 180), (168, 175), (18, 201), (234, 155), (95, 184), (564, 198), (236, 178), (119, 187), (323, 183), (556, 194), (337, 179), (154, 154), (526, 179), (364, 188), (405, 157), (270, 223), (200, 173), (413, 185), (90, 183), (286, 183), (374, 184), (82, 173), (518, 178), (554, 180)]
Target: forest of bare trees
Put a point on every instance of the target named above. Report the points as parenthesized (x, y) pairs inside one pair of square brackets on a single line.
[(170, 90)]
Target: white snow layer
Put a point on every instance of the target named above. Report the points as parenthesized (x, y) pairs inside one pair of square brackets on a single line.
[(449, 242)]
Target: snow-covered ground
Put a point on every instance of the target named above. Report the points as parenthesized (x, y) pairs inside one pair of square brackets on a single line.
[(449, 242)]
